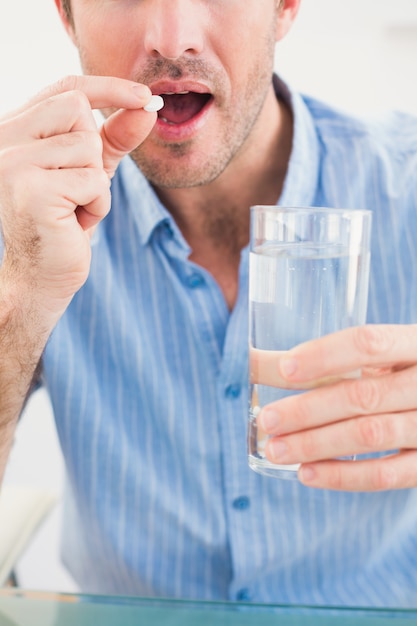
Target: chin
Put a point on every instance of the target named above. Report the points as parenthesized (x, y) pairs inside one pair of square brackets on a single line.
[(178, 170)]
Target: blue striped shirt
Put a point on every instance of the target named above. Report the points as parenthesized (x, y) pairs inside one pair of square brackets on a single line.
[(147, 373)]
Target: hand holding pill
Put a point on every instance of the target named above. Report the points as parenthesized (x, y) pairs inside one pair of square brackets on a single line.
[(68, 178)]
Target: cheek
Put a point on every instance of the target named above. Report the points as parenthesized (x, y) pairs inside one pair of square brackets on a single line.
[(106, 50), (247, 42), (105, 57)]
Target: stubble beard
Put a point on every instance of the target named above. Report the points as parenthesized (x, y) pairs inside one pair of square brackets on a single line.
[(191, 163)]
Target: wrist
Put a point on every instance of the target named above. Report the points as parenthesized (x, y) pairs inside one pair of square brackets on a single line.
[(28, 306)]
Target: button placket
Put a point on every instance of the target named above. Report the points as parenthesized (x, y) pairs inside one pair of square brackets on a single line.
[(244, 595), (195, 280), (233, 391), (241, 504)]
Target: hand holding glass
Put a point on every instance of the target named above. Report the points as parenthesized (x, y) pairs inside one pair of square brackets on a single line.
[(308, 277)]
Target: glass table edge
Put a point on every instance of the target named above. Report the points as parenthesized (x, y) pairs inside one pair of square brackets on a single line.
[(204, 605)]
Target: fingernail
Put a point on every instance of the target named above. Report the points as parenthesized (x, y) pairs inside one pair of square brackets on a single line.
[(268, 420), (142, 91), (278, 449), (307, 473), (288, 366)]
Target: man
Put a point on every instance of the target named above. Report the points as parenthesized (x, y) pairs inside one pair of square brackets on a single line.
[(143, 311)]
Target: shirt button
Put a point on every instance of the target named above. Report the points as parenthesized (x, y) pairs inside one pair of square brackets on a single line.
[(241, 504), (243, 595), (194, 281), (168, 229), (233, 391)]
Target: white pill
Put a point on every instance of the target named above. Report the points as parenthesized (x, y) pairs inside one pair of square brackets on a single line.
[(155, 104)]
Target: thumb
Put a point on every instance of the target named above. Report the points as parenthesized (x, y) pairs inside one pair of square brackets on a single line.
[(122, 132)]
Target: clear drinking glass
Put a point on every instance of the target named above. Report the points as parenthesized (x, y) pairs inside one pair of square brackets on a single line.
[(308, 276)]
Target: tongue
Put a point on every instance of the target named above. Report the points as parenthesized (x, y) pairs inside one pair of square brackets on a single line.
[(180, 108)]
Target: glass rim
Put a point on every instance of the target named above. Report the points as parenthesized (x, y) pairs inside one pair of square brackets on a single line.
[(308, 210)]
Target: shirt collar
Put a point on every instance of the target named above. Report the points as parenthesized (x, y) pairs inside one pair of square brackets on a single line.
[(301, 181), (132, 190)]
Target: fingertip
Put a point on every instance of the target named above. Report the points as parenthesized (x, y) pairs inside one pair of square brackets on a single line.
[(142, 92), (269, 420), (306, 474), (288, 366), (122, 132)]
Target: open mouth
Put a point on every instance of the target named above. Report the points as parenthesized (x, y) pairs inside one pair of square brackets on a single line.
[(182, 107)]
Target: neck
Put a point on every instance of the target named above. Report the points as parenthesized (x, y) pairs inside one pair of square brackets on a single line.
[(214, 218)]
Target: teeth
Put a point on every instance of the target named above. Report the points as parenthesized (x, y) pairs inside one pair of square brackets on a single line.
[(164, 119), (175, 93)]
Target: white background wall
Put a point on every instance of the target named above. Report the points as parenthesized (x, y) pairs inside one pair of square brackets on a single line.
[(357, 54)]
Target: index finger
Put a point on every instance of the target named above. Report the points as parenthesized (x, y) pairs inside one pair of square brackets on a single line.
[(348, 350), (101, 91), (265, 369)]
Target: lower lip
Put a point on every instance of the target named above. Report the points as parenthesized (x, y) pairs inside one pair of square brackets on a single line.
[(184, 131)]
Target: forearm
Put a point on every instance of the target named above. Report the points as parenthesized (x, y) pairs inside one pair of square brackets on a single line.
[(55, 171), (24, 330)]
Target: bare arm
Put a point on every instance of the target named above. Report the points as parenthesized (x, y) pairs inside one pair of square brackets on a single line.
[(55, 167), (22, 340)]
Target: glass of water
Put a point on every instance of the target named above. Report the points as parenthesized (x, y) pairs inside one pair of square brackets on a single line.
[(308, 276)]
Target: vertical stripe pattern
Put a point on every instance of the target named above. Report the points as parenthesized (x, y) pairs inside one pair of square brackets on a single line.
[(147, 373)]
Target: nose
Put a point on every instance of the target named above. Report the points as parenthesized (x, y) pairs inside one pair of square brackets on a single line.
[(173, 28)]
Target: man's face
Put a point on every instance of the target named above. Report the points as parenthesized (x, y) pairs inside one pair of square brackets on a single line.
[(212, 62)]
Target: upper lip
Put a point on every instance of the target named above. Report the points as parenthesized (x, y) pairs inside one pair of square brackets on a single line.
[(177, 87)]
